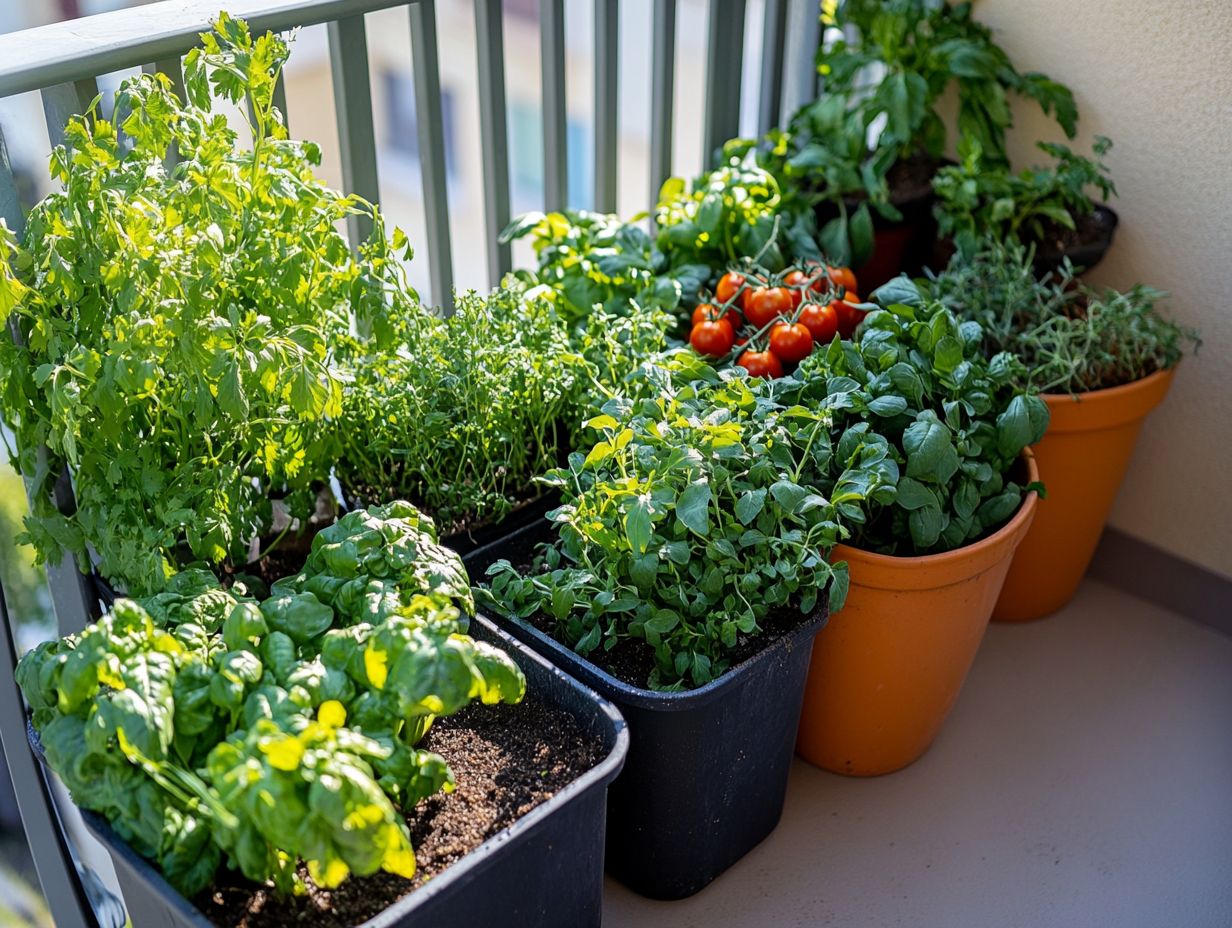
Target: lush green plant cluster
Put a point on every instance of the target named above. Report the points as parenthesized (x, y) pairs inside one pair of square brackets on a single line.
[(923, 48), (1070, 337), (946, 425), (594, 263), (978, 202), (172, 323), (885, 67), (823, 160), (211, 727), (695, 516), (729, 214), (460, 414)]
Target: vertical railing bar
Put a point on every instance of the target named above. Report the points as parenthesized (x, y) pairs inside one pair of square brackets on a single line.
[(774, 39), (493, 133), (280, 98), (724, 62), (607, 141), (801, 85), (555, 105), (662, 94), (53, 861), (62, 101), (348, 56), (10, 203), (432, 166)]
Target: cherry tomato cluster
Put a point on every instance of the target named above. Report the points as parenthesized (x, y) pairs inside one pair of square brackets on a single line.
[(764, 322)]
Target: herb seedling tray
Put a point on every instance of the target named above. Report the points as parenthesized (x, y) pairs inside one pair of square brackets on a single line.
[(546, 869), (707, 770)]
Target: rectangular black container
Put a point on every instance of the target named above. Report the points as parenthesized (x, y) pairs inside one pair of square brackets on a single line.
[(544, 870), (707, 770)]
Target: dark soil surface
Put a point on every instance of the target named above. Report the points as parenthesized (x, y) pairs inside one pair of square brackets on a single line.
[(507, 760)]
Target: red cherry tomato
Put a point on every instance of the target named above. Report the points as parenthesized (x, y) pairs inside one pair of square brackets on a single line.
[(708, 312), (712, 337), (848, 316), (767, 304), (842, 277), (795, 282), (821, 321), (831, 278), (791, 342), (729, 285), (761, 364)]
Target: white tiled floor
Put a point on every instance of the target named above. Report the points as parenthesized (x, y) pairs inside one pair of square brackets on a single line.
[(1083, 780)]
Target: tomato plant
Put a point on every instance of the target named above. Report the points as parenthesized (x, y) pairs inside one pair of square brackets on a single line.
[(821, 320), (790, 342), (766, 304), (714, 338), (707, 312), (730, 213), (761, 364)]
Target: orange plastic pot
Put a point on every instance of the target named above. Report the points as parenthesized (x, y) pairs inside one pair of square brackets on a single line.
[(1082, 461), (887, 669)]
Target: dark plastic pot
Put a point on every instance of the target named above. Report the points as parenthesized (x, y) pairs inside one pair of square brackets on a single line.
[(1083, 257), (899, 247), (528, 513), (707, 769), (1086, 256), (546, 869)]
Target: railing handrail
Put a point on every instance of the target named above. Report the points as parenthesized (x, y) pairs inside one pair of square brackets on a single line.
[(63, 52)]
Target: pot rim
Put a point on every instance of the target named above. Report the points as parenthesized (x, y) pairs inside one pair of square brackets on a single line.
[(610, 686), (934, 571), (1094, 410)]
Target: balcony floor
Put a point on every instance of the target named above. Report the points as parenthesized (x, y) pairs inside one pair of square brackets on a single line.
[(1084, 779)]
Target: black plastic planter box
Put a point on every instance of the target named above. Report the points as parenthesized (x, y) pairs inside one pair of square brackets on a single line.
[(707, 769), (544, 870)]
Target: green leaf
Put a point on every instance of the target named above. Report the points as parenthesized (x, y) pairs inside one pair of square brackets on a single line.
[(900, 290), (930, 451), (860, 230), (637, 525), (750, 505), (926, 525), (914, 495), (693, 507), (1014, 428), (888, 405)]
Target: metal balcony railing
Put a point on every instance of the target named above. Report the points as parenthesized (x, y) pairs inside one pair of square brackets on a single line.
[(63, 62)]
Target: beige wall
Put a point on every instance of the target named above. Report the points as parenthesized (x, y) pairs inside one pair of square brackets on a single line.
[(1157, 79)]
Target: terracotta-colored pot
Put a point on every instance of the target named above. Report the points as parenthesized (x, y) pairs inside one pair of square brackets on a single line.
[(1082, 460), (887, 669)]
